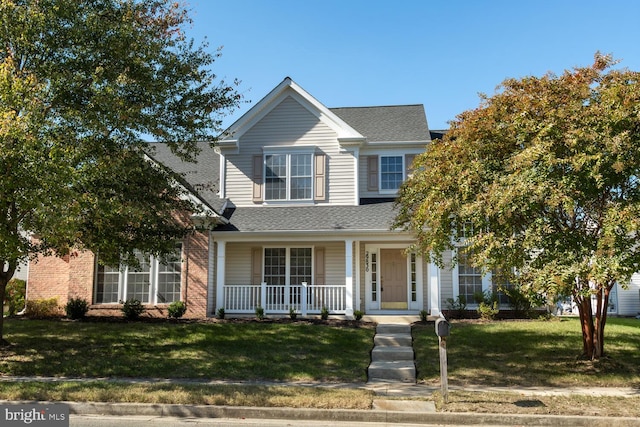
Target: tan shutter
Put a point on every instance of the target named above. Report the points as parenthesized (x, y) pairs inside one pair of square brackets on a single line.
[(257, 178), (256, 266), (320, 181), (408, 162), (319, 270), (372, 173)]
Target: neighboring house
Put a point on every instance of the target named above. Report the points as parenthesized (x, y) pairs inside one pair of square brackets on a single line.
[(302, 200)]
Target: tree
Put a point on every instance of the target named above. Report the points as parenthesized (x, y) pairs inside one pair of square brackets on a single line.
[(82, 82), (546, 174)]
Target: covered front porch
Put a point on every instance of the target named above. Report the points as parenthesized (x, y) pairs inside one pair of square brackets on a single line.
[(333, 276)]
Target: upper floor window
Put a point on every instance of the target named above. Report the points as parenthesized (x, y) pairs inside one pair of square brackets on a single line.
[(385, 173), (391, 172), (289, 176)]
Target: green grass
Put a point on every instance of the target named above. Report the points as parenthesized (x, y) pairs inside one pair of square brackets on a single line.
[(530, 353), (297, 351)]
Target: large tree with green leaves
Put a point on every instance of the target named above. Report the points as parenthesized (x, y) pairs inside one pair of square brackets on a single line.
[(546, 172), (82, 84)]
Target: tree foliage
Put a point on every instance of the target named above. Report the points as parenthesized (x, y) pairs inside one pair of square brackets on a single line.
[(546, 174), (82, 82)]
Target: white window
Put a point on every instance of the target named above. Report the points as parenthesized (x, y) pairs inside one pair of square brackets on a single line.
[(287, 266), (155, 281), (288, 176), (469, 279), (391, 172)]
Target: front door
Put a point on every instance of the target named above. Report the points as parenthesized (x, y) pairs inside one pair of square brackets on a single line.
[(393, 279)]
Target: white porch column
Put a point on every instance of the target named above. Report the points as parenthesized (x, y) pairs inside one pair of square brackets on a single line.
[(210, 282), (348, 275), (220, 275), (434, 289)]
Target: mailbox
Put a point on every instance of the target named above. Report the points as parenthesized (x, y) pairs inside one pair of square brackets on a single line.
[(442, 327)]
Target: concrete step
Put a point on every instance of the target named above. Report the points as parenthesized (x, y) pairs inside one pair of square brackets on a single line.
[(403, 340), (404, 371), (390, 329), (391, 353)]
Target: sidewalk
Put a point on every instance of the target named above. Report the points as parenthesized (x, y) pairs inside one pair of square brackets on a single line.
[(391, 410)]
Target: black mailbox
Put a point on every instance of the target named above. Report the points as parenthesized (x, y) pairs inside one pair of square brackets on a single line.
[(442, 327)]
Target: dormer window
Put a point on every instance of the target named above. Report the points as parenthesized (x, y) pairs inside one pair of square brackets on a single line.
[(288, 176)]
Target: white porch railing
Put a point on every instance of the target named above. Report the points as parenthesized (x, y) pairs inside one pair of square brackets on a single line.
[(279, 299)]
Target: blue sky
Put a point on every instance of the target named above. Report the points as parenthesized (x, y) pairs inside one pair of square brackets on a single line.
[(350, 53)]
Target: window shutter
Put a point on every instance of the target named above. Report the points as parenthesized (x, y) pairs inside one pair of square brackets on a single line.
[(319, 270), (408, 161), (320, 177), (372, 173), (257, 178), (256, 266)]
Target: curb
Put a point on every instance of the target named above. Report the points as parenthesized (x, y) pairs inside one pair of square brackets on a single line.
[(343, 415)]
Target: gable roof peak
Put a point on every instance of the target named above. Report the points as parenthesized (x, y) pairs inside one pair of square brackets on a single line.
[(288, 88)]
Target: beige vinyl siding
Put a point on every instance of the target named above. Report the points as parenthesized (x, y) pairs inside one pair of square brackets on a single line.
[(446, 281), (334, 262), (238, 260), (238, 263), (289, 124)]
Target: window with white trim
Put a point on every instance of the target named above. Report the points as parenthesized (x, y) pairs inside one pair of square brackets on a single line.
[(287, 265), (288, 176), (469, 278), (155, 281), (391, 172)]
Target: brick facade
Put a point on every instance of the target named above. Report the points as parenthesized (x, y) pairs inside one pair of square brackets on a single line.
[(74, 277)]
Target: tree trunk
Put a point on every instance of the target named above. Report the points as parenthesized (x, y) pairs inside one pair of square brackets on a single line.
[(3, 289), (586, 323)]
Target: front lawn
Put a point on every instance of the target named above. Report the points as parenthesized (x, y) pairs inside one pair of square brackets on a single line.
[(530, 353), (277, 351)]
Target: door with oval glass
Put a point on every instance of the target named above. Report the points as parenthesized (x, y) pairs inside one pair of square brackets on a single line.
[(393, 279)]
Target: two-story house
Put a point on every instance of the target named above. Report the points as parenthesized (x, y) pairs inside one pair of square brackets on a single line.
[(302, 201)]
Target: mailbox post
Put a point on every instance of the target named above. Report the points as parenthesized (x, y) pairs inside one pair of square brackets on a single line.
[(443, 328)]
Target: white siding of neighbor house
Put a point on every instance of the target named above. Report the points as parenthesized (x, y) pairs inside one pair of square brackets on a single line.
[(629, 299), (289, 124)]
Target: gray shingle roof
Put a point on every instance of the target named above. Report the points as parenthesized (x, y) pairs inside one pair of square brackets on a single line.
[(398, 123), (371, 217), (203, 176)]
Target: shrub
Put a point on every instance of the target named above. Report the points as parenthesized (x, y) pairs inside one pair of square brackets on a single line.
[(358, 315), (424, 314), (522, 300), (292, 313), (488, 311), (14, 295), (43, 308), (457, 307), (259, 313), (76, 308), (324, 313), (177, 309), (132, 309), (221, 313)]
